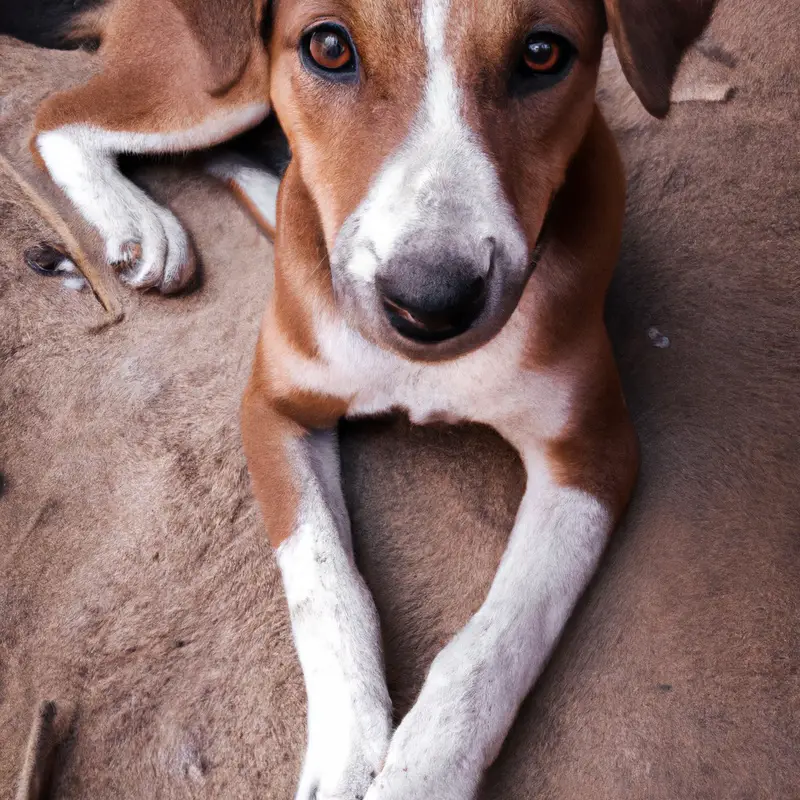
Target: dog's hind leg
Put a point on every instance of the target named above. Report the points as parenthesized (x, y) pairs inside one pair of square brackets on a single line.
[(155, 94)]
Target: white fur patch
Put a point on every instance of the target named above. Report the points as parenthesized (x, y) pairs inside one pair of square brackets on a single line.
[(137, 231), (209, 132), (335, 628), (75, 282), (259, 186), (489, 385)]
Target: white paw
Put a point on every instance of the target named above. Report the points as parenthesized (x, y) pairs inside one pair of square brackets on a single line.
[(140, 236), (422, 765), (414, 784), (345, 752), (150, 246), (440, 750)]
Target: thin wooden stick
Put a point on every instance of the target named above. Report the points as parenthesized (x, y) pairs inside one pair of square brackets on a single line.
[(38, 754), (93, 277)]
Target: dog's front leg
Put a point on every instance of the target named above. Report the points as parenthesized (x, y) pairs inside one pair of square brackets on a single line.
[(296, 478), (476, 684)]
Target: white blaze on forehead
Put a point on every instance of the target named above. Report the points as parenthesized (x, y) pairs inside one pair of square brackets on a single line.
[(440, 165), (442, 98)]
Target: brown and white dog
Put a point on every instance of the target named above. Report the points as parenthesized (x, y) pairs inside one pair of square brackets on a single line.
[(446, 231)]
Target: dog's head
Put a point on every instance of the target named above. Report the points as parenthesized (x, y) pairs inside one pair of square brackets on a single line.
[(431, 136)]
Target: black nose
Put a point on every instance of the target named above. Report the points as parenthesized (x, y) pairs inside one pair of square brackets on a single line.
[(432, 310)]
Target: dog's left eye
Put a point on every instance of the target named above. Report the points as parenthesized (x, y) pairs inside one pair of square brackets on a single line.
[(328, 51)]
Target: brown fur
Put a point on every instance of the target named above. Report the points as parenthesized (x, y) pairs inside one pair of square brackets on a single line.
[(299, 289), (271, 418), (128, 527), (599, 453), (212, 67), (265, 431), (651, 38), (532, 142), (580, 248)]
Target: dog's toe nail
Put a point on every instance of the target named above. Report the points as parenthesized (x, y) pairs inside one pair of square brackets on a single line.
[(45, 258), (130, 254)]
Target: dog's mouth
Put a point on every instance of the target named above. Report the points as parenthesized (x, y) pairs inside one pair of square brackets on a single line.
[(424, 328)]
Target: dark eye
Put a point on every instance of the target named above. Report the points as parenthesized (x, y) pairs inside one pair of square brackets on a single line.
[(546, 58), (328, 51)]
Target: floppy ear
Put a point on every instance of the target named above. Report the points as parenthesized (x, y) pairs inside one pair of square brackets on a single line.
[(650, 37)]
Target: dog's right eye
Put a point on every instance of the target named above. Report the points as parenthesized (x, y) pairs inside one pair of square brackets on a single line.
[(328, 51), (546, 58)]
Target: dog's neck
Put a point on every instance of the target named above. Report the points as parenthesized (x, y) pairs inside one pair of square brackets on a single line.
[(567, 291), (303, 289)]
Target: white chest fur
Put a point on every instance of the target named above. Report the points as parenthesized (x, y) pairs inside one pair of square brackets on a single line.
[(490, 385)]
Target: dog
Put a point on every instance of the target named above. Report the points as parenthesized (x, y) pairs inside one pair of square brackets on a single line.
[(445, 234)]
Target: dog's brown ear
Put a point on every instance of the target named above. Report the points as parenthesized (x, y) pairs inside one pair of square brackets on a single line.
[(650, 37)]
